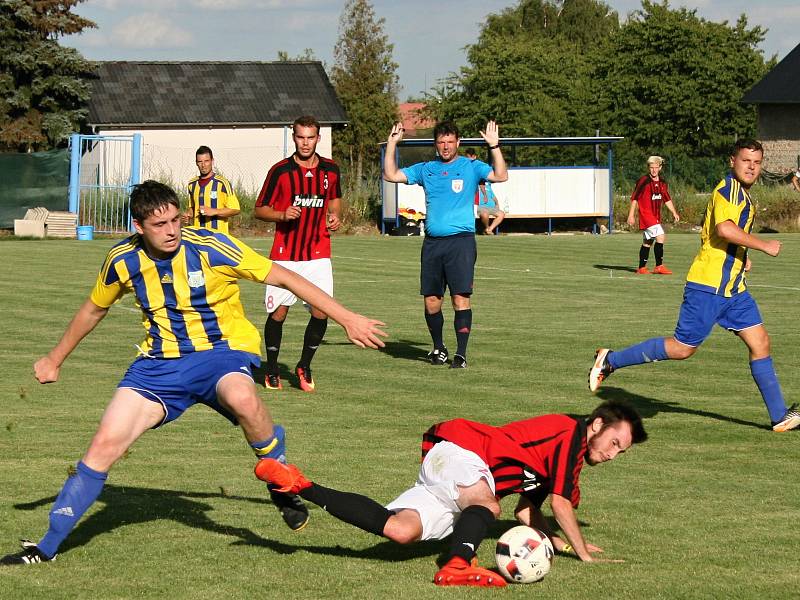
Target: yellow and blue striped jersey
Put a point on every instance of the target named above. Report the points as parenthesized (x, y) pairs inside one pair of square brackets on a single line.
[(719, 265), (190, 302), (216, 192)]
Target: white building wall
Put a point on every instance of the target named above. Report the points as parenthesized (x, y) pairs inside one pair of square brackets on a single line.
[(243, 155)]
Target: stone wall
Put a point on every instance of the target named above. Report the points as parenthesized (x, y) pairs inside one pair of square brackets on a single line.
[(779, 131)]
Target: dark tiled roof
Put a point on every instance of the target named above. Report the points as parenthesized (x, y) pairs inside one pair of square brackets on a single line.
[(781, 85), (211, 93)]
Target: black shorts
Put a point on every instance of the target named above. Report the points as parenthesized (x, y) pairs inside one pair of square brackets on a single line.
[(448, 261)]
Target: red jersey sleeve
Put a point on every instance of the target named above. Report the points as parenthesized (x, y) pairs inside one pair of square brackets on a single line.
[(567, 461), (270, 193)]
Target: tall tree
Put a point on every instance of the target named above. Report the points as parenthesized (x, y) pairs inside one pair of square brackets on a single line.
[(531, 70), (365, 81), (672, 81), (43, 85)]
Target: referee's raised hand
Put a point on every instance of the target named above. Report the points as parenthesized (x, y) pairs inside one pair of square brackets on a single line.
[(396, 134)]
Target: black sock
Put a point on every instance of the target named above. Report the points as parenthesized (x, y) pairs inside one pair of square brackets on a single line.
[(659, 251), (351, 508), (644, 254), (462, 322), (469, 531), (435, 324), (315, 331), (273, 332)]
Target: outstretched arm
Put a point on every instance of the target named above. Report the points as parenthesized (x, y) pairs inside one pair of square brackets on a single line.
[(360, 330), (565, 516), (730, 231), (47, 368)]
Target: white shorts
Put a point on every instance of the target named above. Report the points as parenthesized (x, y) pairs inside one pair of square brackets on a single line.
[(318, 271), (446, 466), (652, 232)]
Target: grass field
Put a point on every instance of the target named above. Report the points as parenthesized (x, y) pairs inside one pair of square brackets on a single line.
[(707, 508)]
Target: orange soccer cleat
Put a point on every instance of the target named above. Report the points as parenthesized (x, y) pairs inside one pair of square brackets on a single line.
[(661, 270), (458, 571), (643, 271), (287, 478)]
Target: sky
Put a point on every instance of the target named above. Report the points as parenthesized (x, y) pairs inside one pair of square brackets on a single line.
[(429, 36)]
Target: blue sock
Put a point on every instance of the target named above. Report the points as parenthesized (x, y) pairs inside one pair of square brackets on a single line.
[(274, 447), (648, 351), (78, 494), (767, 381)]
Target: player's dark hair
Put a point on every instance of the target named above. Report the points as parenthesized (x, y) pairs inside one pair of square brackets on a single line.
[(150, 196), (614, 411), (204, 150), (305, 121), (470, 152), (445, 128), (748, 143)]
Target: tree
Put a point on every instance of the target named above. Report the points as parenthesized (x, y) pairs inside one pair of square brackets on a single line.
[(672, 82), (530, 70), (306, 56), (365, 81), (43, 85)]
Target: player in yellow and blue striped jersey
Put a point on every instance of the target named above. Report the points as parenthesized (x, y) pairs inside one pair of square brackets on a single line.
[(716, 291), (212, 201), (199, 348)]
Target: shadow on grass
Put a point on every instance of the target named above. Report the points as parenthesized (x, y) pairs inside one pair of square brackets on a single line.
[(649, 407), (407, 350), (615, 268), (123, 506)]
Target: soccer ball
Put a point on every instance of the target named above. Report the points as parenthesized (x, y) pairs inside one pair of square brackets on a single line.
[(524, 554)]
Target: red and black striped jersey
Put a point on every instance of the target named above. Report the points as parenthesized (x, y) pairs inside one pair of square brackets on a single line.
[(289, 184), (650, 195), (535, 457)]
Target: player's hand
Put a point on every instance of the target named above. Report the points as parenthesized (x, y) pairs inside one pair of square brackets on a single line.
[(208, 211), (334, 222), (365, 332), (772, 247), (677, 217), (45, 370), (491, 134), (186, 218), (291, 213), (631, 220), (396, 134)]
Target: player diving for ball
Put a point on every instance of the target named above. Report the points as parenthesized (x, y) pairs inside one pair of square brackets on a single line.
[(200, 348), (467, 468)]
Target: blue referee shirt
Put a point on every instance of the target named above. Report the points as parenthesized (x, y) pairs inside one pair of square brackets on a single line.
[(449, 193)]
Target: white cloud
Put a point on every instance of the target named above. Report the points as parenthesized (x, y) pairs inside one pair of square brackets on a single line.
[(149, 30)]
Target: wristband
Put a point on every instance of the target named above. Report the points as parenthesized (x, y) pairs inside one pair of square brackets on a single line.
[(495, 147), (567, 549)]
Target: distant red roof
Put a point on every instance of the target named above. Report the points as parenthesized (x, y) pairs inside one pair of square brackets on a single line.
[(412, 121)]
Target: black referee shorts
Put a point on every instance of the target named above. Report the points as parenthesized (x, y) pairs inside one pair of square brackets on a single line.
[(448, 262)]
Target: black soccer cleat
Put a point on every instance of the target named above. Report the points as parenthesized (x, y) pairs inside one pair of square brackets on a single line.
[(459, 362), (29, 555), (292, 508), (438, 356)]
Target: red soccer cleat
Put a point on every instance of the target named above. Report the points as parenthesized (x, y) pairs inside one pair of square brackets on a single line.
[(304, 378), (457, 571), (643, 271), (661, 270), (273, 382), (286, 478)]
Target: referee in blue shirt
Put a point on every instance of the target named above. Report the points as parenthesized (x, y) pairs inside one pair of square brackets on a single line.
[(449, 250)]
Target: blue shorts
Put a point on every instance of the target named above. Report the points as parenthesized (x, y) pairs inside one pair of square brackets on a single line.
[(179, 383), (448, 261), (700, 311)]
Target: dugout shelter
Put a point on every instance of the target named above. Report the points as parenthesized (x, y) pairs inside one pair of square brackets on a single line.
[(581, 189)]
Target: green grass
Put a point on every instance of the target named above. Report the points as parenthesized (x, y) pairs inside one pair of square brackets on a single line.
[(707, 508)]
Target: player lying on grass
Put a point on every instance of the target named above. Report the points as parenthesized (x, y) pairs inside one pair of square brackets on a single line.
[(467, 468), (200, 347), (716, 291)]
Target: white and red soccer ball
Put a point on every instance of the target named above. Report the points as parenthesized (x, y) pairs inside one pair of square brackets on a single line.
[(524, 554)]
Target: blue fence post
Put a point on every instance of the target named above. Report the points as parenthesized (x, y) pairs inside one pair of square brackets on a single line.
[(136, 170), (74, 172)]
